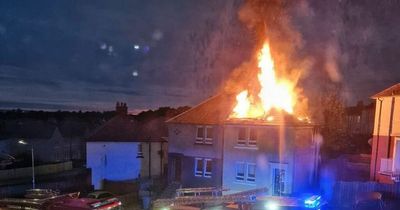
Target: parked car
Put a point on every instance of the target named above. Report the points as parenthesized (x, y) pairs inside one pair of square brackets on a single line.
[(41, 193), (84, 203), (61, 202), (369, 201), (100, 195)]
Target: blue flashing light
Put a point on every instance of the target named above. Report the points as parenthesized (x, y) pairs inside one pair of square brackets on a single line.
[(312, 202)]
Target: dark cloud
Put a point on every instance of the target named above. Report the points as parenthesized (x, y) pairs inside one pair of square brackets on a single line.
[(125, 92), (82, 54)]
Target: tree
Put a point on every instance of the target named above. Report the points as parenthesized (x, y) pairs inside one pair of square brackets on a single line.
[(333, 129)]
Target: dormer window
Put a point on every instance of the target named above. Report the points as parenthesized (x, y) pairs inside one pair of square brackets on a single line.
[(204, 135)]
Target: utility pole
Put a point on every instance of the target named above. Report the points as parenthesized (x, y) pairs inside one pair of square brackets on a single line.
[(23, 142), (33, 168)]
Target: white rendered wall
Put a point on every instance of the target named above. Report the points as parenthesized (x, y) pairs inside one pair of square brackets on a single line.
[(114, 161)]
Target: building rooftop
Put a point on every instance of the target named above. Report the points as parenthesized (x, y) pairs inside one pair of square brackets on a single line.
[(38, 129), (286, 119), (391, 91), (124, 128), (216, 110), (32, 129)]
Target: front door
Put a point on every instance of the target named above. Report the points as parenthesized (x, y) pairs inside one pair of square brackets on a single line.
[(278, 181), (176, 169)]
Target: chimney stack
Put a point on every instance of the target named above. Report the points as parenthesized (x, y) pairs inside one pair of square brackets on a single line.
[(121, 108)]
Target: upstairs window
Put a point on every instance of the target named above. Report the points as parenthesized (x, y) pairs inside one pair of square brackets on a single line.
[(204, 135), (247, 137), (200, 134), (252, 137), (242, 136), (203, 167), (209, 135)]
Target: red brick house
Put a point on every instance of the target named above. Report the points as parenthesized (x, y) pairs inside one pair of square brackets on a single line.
[(385, 157)]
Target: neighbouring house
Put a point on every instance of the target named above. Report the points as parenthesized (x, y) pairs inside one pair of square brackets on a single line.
[(359, 125), (207, 149), (58, 154), (52, 141), (385, 156), (125, 149), (360, 119)]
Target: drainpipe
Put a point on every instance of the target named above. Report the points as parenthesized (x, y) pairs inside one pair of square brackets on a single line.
[(161, 159), (377, 135), (390, 126), (222, 154)]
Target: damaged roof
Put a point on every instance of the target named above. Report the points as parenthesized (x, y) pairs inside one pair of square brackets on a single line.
[(216, 110), (391, 91)]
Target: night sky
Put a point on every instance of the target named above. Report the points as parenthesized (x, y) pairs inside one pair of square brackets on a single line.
[(70, 54)]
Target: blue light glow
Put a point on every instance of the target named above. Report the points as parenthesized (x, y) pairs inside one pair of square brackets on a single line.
[(313, 201)]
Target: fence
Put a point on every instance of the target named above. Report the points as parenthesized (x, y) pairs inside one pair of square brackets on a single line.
[(344, 193), (76, 180), (39, 170)]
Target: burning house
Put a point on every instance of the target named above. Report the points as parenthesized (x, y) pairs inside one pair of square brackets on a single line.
[(246, 140)]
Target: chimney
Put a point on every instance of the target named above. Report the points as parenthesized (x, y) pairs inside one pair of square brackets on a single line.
[(121, 108)]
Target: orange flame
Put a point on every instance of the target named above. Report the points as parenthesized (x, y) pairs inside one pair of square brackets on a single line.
[(275, 93)]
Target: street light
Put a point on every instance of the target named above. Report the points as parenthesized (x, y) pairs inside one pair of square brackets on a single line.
[(23, 142)]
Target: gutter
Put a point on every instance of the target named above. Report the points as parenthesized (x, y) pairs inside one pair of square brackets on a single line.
[(222, 153)]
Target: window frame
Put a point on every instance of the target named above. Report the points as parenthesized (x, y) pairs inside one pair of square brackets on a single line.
[(245, 178), (252, 142), (204, 139), (199, 140), (202, 171), (240, 141), (198, 173), (253, 179), (242, 165), (205, 172), (247, 141)]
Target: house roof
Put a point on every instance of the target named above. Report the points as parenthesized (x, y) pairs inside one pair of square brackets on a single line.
[(214, 110), (25, 128), (72, 129), (38, 129), (391, 91), (124, 128)]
